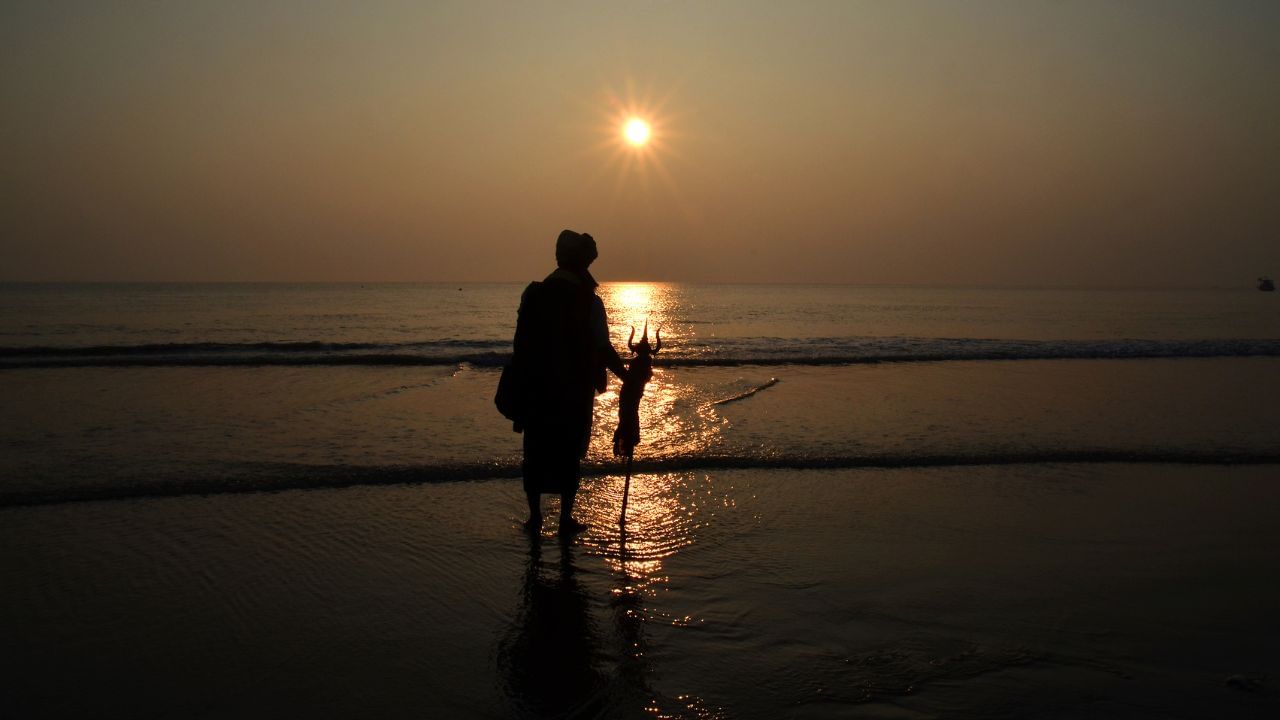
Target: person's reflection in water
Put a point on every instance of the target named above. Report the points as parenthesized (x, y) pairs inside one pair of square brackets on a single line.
[(549, 657)]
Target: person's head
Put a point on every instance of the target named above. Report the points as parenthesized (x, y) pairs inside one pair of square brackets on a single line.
[(575, 250)]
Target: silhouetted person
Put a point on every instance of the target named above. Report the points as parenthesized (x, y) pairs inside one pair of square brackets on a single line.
[(562, 350)]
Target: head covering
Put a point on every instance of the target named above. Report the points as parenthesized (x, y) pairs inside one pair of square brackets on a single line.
[(575, 249)]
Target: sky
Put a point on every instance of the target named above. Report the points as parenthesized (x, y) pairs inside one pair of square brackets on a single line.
[(961, 143)]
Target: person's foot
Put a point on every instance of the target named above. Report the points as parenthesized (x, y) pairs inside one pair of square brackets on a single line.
[(570, 527)]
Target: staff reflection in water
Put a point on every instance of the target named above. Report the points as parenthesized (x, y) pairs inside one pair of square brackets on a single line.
[(629, 616), (549, 657)]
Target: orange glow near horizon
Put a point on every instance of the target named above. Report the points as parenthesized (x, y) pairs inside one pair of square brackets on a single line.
[(409, 127)]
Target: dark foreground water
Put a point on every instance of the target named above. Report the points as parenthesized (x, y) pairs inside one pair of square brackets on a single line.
[(1018, 591)]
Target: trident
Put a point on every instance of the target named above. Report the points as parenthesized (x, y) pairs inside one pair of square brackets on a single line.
[(627, 436)]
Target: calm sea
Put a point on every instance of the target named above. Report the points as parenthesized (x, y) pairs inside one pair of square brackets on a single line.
[(123, 390)]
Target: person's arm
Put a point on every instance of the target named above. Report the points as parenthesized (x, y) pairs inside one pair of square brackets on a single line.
[(600, 336), (520, 343), (613, 361)]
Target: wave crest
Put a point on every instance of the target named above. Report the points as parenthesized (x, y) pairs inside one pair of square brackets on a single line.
[(270, 477), (708, 353)]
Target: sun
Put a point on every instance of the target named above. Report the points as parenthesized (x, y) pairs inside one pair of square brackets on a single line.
[(637, 136), (636, 131)]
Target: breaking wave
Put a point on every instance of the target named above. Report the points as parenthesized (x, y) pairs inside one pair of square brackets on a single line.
[(747, 394), (269, 477), (711, 352)]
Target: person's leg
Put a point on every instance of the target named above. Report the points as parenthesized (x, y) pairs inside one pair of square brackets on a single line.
[(575, 448), (534, 523), (529, 471), (566, 505), (569, 526)]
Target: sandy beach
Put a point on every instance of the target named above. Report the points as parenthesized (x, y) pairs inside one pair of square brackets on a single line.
[(1022, 591)]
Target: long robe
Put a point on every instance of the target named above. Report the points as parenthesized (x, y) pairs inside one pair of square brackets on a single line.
[(555, 349)]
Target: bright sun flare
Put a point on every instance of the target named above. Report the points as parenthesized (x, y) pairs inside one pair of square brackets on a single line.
[(636, 131)]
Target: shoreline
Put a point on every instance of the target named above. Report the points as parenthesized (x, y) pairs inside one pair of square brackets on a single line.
[(320, 477)]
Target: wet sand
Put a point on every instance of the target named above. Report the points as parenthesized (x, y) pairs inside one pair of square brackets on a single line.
[(1013, 591)]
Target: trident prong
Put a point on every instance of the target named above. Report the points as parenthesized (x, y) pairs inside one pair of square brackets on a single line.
[(643, 347)]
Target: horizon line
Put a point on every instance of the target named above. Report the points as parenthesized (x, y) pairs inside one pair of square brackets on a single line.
[(959, 285)]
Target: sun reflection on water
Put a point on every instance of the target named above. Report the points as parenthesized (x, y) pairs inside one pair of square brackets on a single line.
[(665, 511), (660, 521), (674, 422), (631, 304), (674, 419)]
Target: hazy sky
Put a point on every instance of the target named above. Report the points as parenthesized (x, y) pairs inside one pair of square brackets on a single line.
[(880, 142)]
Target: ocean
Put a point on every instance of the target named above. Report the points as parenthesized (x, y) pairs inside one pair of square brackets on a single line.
[(262, 499)]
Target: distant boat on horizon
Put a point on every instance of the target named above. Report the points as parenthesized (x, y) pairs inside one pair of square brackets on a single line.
[(1265, 284)]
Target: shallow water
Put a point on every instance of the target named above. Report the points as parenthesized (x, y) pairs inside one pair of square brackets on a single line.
[(129, 390), (127, 432), (1027, 590)]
